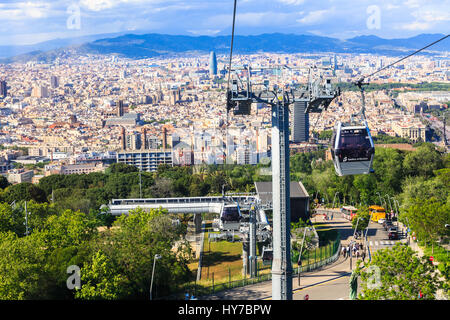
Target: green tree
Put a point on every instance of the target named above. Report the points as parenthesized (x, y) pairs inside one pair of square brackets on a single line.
[(388, 169), (121, 168), (326, 135), (362, 218), (100, 280), (130, 247), (398, 274), (24, 191), (9, 220), (423, 161), (3, 182), (428, 218), (22, 275), (415, 188), (68, 229)]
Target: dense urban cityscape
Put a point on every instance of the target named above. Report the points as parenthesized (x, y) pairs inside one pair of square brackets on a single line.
[(79, 114)]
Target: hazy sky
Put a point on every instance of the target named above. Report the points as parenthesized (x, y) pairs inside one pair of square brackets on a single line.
[(32, 21)]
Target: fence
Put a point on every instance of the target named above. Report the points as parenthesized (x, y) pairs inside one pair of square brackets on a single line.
[(311, 260)]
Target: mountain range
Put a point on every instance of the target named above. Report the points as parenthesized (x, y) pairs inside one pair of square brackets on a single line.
[(140, 46)]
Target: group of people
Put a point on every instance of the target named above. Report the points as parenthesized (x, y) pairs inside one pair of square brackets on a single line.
[(355, 249)]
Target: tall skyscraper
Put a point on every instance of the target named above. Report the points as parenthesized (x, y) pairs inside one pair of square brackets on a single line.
[(144, 138), (212, 64), (40, 92), (123, 139), (3, 89), (300, 130), (54, 82), (120, 108), (164, 139)]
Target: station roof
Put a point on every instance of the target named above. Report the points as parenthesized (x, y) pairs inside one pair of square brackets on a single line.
[(264, 190)]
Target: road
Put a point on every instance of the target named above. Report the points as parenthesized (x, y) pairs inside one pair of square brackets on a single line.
[(328, 283)]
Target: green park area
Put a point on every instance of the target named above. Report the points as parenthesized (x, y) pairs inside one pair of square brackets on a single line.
[(64, 219)]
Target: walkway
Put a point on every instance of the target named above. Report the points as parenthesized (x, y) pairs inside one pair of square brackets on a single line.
[(337, 270)]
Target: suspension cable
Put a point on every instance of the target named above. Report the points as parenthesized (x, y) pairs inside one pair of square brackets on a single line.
[(229, 76), (231, 47), (359, 82)]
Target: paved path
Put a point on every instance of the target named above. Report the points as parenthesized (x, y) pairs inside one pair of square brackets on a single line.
[(316, 283), (263, 291), (328, 283)]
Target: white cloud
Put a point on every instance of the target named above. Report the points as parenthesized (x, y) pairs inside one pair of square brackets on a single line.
[(99, 5), (204, 32), (390, 6), (416, 26), (412, 3), (252, 19), (24, 10), (431, 15), (315, 16), (292, 2)]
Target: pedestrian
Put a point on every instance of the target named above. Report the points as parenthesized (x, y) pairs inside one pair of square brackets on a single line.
[(343, 251), (363, 256), (348, 251)]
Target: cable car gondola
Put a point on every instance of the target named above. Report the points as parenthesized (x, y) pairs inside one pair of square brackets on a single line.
[(267, 255), (352, 149), (352, 146), (230, 217)]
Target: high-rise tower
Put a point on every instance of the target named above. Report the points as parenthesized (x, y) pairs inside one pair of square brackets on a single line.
[(54, 82), (120, 108), (3, 89), (300, 125), (212, 64)]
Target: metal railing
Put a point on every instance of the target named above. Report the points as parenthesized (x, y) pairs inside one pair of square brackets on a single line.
[(314, 259)]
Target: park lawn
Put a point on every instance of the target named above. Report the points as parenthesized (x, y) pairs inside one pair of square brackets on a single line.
[(222, 258)]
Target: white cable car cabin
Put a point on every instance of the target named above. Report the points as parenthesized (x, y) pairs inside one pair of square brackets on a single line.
[(267, 255), (230, 217), (352, 149)]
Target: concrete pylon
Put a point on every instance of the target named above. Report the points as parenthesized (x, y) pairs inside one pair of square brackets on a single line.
[(198, 223)]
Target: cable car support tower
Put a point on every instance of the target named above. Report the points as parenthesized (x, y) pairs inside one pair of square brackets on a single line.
[(240, 97)]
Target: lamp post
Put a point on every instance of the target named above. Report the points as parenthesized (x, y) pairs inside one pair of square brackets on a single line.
[(397, 211), (354, 232), (389, 198), (140, 183), (157, 256), (335, 198), (407, 220), (27, 232), (381, 201), (300, 255)]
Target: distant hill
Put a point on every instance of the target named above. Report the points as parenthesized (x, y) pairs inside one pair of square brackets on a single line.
[(150, 45), (16, 50)]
